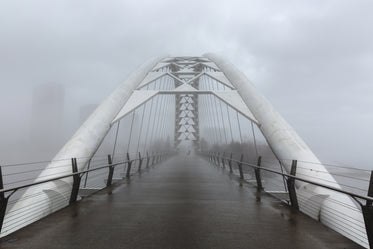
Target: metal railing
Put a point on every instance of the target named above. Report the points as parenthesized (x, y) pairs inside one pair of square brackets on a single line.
[(100, 181), (240, 167)]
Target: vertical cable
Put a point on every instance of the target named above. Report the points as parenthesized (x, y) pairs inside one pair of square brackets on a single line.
[(216, 116), (161, 117), (142, 119), (149, 123), (239, 127), (156, 123), (129, 139), (166, 128), (208, 111), (222, 120), (163, 122), (252, 128), (229, 121), (115, 141), (153, 122), (211, 116)]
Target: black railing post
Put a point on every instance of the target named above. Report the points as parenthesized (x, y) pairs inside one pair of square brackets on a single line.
[(257, 175), (147, 159), (291, 186), (3, 201), (222, 159), (129, 163), (240, 167), (367, 210), (140, 161), (111, 171), (218, 159), (86, 174), (76, 182), (230, 163)]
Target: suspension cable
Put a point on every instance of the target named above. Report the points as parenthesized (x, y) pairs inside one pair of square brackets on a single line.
[(229, 121), (115, 141), (208, 111), (141, 126), (216, 116), (156, 123), (255, 145), (149, 123), (239, 127), (222, 120), (129, 139)]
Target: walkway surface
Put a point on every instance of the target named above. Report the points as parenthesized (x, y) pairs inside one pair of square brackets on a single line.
[(184, 202)]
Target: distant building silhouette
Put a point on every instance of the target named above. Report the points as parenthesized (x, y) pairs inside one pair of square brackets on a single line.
[(47, 119)]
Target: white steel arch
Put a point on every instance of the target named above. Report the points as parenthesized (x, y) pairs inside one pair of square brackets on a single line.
[(286, 144), (237, 92)]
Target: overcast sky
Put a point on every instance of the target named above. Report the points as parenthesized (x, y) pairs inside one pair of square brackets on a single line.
[(312, 59)]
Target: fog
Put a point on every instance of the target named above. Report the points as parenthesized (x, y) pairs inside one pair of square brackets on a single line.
[(312, 59)]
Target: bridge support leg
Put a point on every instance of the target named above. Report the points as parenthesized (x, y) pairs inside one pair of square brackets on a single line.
[(291, 186), (3, 201), (240, 167), (218, 159), (111, 171), (368, 213), (129, 162), (140, 162), (258, 176), (230, 163), (76, 182)]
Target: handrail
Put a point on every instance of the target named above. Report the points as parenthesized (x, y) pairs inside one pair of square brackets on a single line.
[(154, 157), (366, 209), (76, 173), (367, 198)]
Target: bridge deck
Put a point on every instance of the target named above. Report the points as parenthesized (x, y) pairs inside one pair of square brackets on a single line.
[(182, 203)]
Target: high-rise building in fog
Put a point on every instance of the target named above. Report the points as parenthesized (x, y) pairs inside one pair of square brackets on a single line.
[(47, 115)]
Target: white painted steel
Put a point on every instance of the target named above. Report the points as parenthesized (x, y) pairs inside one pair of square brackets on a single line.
[(337, 211), (219, 76), (49, 197), (160, 65), (234, 100), (211, 65), (333, 209), (185, 88), (151, 77), (137, 98)]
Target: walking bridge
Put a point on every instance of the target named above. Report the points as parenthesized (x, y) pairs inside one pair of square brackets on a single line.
[(185, 154)]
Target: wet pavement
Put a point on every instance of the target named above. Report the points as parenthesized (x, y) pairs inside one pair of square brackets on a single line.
[(184, 202)]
